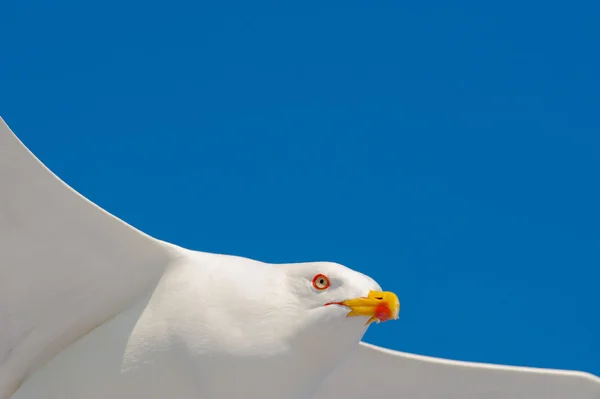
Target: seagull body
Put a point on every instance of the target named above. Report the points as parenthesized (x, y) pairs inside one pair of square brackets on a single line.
[(203, 334), (91, 307)]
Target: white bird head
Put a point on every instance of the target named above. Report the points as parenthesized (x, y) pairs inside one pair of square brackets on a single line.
[(329, 291)]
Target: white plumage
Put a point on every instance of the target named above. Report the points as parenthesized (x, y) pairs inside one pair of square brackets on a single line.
[(92, 308)]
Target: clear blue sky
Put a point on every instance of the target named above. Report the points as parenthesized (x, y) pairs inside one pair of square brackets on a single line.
[(450, 151)]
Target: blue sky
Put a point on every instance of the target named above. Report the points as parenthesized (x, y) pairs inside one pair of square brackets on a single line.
[(449, 151)]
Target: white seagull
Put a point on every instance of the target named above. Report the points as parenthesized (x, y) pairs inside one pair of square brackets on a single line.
[(92, 308)]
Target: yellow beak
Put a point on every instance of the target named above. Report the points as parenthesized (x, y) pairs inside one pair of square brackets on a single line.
[(378, 306)]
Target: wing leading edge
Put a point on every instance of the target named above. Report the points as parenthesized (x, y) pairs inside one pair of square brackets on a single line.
[(377, 372), (66, 265)]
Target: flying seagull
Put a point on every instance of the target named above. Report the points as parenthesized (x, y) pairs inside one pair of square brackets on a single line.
[(91, 307)]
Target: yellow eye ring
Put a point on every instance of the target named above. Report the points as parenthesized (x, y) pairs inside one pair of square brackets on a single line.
[(321, 282)]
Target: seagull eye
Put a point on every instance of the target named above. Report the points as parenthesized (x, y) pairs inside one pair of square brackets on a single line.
[(321, 282)]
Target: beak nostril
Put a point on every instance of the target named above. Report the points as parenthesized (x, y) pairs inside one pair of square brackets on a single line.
[(379, 297)]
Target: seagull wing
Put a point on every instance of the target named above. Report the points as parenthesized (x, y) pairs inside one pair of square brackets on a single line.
[(377, 372), (66, 265)]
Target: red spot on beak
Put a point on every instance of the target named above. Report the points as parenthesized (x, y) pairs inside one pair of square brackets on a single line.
[(383, 313)]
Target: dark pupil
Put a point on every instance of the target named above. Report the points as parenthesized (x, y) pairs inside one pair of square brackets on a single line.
[(322, 281)]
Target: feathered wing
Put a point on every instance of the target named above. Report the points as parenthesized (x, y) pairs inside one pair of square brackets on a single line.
[(66, 265), (374, 372)]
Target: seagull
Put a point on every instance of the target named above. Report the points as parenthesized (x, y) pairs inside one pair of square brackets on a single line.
[(91, 307)]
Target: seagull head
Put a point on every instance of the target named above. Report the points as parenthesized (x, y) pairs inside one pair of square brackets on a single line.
[(331, 307), (331, 290)]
